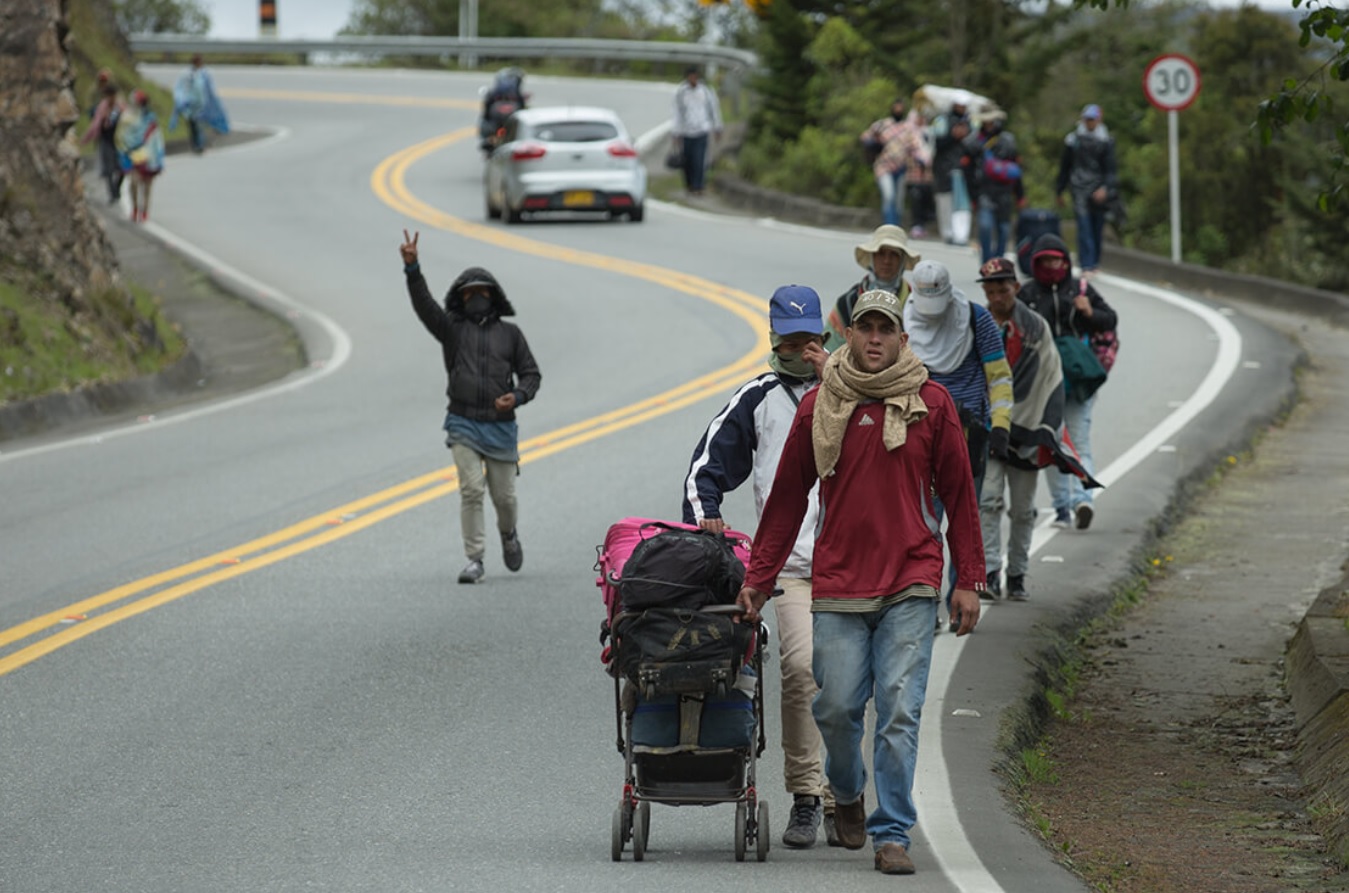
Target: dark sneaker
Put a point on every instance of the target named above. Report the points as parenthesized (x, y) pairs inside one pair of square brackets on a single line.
[(1083, 514), (994, 590), (830, 830), (512, 552), (804, 823), (1016, 589), (472, 572), (1062, 518), (850, 822), (891, 858)]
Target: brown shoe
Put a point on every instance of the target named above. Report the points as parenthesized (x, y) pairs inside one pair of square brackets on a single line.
[(892, 859), (850, 823)]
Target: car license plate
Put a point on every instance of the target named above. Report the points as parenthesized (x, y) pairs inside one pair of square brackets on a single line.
[(578, 199)]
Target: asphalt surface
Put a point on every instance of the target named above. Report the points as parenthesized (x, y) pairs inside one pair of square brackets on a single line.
[(1220, 638)]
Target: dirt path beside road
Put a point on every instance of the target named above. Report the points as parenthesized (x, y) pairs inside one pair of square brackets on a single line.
[(1173, 766)]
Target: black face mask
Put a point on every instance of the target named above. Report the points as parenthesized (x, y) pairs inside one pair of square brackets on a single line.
[(898, 116), (478, 306)]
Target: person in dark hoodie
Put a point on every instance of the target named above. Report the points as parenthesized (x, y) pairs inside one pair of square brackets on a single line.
[(1071, 307), (491, 373)]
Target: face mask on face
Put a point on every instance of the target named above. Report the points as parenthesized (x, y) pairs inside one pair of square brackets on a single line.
[(1046, 275), (477, 306), (791, 365)]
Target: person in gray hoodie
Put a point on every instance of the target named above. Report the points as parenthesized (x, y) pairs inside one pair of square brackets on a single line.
[(1087, 169), (491, 373)]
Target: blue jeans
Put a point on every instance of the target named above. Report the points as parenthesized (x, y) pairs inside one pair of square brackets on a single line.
[(892, 197), (695, 162), (988, 225), (886, 654), (1067, 488), (1090, 230)]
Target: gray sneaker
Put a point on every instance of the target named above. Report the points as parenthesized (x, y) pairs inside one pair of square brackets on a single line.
[(472, 572), (511, 551), (804, 823)]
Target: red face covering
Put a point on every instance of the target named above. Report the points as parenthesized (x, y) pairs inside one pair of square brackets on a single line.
[(1044, 274)]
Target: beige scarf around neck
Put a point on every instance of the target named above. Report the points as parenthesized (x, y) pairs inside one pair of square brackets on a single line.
[(844, 385)]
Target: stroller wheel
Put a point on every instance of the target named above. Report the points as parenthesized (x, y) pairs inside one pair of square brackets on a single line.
[(741, 830), (620, 828), (640, 827), (761, 835)]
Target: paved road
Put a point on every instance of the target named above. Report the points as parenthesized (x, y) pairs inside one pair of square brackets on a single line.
[(276, 682)]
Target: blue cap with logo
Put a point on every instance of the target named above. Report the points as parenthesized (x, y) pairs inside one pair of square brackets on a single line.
[(793, 309), (1092, 112)]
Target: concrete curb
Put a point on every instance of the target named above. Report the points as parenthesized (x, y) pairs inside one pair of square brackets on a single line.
[(1318, 673)]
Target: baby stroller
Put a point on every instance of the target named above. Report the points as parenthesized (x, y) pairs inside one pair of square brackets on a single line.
[(688, 678)]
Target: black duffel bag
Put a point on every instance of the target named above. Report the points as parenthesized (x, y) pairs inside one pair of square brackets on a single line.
[(680, 568), (664, 651)]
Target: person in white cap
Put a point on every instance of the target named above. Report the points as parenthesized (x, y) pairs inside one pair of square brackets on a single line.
[(743, 441), (885, 256), (1087, 170), (883, 441), (962, 348)]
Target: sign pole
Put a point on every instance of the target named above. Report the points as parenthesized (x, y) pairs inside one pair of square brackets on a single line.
[(1173, 149), (1171, 82)]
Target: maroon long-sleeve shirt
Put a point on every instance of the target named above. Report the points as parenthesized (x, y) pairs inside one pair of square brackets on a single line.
[(879, 532)]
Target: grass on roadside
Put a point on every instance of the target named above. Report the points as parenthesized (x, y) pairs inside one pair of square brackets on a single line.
[(44, 349)]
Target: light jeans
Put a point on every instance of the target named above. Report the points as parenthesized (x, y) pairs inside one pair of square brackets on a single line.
[(1019, 486), (478, 474), (892, 197), (885, 654), (1067, 489), (802, 748)]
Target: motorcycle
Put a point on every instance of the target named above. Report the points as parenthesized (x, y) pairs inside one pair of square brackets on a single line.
[(493, 124)]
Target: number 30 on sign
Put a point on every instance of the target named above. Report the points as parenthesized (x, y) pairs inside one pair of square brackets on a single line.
[(1171, 82)]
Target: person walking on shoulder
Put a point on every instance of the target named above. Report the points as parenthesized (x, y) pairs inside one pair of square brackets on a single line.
[(743, 441), (1036, 437), (697, 118), (880, 438), (897, 142), (992, 163), (140, 151), (1071, 307), (491, 373), (103, 127), (1087, 170), (885, 256)]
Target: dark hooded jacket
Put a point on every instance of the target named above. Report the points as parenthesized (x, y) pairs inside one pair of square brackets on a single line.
[(1056, 303), (484, 358)]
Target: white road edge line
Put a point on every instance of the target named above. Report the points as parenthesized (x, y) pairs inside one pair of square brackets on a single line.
[(933, 793)]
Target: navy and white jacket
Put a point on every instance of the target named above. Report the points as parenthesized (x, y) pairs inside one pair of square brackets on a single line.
[(746, 438)]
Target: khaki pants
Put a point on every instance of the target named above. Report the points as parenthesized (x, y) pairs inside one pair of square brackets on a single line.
[(476, 476), (802, 747)]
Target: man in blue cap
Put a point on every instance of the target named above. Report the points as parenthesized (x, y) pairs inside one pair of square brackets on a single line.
[(1087, 170), (745, 439)]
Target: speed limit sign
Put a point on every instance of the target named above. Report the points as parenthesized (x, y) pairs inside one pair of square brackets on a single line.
[(1171, 82)]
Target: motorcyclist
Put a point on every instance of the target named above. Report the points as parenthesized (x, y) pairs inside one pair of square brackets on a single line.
[(507, 89)]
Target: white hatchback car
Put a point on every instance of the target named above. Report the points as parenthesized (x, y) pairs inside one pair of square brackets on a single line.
[(568, 158)]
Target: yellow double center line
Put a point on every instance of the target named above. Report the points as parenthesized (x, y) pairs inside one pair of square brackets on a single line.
[(59, 628)]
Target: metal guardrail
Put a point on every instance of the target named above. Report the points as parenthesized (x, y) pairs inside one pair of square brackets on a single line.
[(491, 47)]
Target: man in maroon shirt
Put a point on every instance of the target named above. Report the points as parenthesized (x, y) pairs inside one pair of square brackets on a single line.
[(880, 437)]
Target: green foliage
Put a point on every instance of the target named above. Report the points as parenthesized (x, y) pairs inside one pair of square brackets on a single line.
[(162, 16), (498, 18)]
